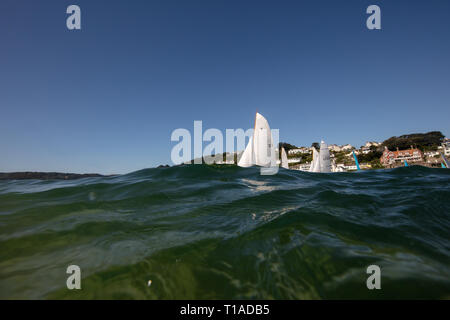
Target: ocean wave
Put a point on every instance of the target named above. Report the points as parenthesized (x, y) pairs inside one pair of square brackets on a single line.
[(226, 232)]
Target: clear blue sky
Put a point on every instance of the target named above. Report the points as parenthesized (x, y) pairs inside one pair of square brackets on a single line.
[(106, 99)]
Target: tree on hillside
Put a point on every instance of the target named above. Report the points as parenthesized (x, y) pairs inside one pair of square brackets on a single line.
[(286, 146), (423, 141), (369, 157)]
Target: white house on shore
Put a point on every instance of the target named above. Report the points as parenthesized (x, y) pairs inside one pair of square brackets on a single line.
[(446, 147), (334, 147), (430, 154), (304, 167), (372, 143), (365, 150), (301, 150), (347, 147)]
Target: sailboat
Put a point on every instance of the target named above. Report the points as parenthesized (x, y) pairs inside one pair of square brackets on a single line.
[(356, 161), (321, 160), (325, 163), (260, 150), (445, 161), (315, 163), (284, 159)]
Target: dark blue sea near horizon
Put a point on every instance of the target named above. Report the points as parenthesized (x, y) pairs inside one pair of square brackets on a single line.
[(224, 232)]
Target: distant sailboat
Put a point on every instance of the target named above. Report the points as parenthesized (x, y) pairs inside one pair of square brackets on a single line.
[(356, 161), (325, 164), (260, 149), (321, 160), (315, 163), (284, 159), (446, 162)]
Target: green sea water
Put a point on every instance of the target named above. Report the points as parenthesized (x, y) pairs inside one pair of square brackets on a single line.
[(224, 232)]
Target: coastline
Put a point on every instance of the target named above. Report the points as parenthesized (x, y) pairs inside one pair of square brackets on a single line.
[(28, 175)]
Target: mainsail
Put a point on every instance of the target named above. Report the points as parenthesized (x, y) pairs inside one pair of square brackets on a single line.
[(260, 150), (284, 159), (321, 160), (325, 164), (315, 163)]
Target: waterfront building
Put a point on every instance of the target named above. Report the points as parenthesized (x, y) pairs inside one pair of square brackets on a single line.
[(390, 158)]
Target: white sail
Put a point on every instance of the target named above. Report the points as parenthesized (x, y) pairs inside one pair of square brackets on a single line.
[(284, 159), (260, 150), (315, 163), (325, 165), (247, 157), (264, 150)]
